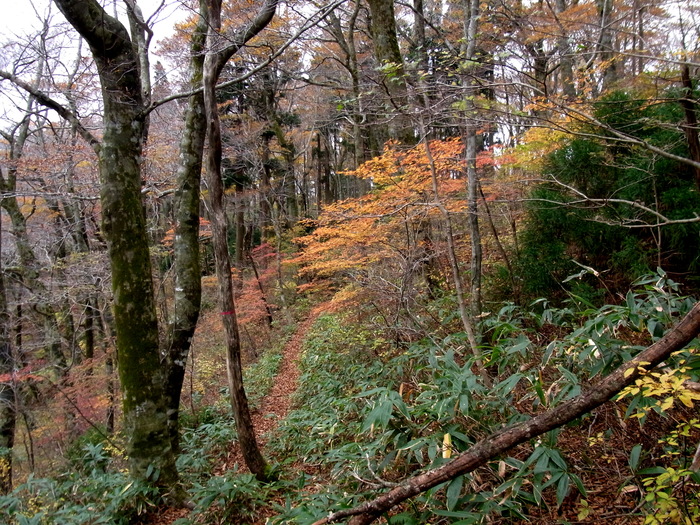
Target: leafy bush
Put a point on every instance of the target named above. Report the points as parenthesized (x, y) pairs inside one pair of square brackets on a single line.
[(95, 496), (231, 498), (372, 416), (204, 446), (561, 226)]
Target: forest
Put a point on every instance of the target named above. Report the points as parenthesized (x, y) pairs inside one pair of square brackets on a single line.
[(350, 261)]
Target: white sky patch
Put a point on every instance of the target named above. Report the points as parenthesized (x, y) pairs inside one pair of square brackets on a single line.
[(26, 16)]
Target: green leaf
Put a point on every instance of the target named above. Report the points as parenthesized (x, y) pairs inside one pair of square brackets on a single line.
[(464, 404), (540, 392), (533, 457), (521, 346), (651, 471), (403, 519), (562, 489), (542, 465), (548, 352), (454, 489), (380, 414), (579, 484), (634, 457), (509, 383), (656, 330), (537, 492), (453, 513), (556, 458)]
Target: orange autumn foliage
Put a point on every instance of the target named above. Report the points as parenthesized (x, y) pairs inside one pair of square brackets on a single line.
[(354, 234)]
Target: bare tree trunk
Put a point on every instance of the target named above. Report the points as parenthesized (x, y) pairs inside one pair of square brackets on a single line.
[(473, 221), (346, 41), (566, 63), (30, 264), (219, 50), (690, 126), (454, 263), (606, 50), (268, 310), (265, 193), (8, 398), (239, 224), (501, 249), (472, 176)]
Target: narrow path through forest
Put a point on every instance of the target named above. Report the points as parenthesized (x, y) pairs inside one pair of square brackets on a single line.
[(275, 405), (273, 409)]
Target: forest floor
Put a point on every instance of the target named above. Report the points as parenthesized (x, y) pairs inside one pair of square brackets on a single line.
[(275, 405), (273, 409), (611, 499)]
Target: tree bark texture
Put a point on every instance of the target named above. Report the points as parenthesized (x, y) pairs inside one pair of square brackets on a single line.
[(503, 440), (219, 50), (467, 321), (606, 49), (30, 276), (124, 224), (346, 41), (473, 221), (470, 38), (8, 398), (30, 265), (187, 266), (566, 60), (387, 52), (690, 126)]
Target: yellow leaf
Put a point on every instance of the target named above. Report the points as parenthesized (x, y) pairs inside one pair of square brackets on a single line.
[(447, 446), (686, 400), (666, 403)]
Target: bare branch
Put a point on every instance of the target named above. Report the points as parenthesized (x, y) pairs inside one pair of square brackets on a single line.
[(618, 136), (46, 101), (662, 220), (311, 22)]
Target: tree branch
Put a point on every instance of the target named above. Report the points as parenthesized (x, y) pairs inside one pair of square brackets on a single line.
[(313, 21), (46, 101), (662, 220), (617, 135)]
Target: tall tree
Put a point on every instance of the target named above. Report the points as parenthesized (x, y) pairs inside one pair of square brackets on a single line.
[(8, 397), (186, 266), (388, 54), (124, 224), (219, 49)]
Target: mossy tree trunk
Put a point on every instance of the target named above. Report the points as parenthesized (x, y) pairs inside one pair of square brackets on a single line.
[(388, 54), (124, 224), (187, 267)]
